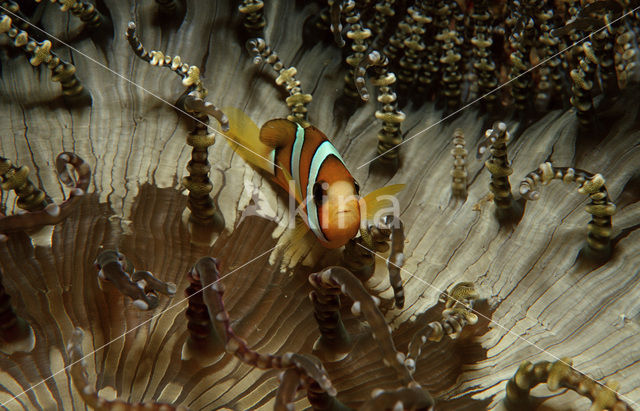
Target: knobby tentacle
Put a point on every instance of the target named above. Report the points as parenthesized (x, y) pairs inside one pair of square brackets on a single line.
[(459, 172), (141, 286), (213, 290), (40, 52), (52, 213), (559, 375), (601, 208), (339, 278), (87, 12), (297, 100), (457, 314), (507, 209), (205, 338)]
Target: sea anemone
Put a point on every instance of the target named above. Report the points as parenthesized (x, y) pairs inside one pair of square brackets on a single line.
[(539, 297)]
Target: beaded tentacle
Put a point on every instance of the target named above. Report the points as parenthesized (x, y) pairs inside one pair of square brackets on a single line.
[(87, 12), (335, 12), (457, 314), (583, 81), (141, 286), (297, 100), (252, 12), (40, 52), (205, 218), (190, 74), (521, 43), (459, 172), (483, 63), (559, 375), (413, 45), (390, 136), (213, 290), (549, 87), (339, 278), (30, 197), (498, 165), (205, 339), (358, 34), (451, 41), (51, 213), (88, 393), (601, 208)]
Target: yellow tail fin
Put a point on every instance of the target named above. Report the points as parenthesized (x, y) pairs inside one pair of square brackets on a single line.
[(244, 139)]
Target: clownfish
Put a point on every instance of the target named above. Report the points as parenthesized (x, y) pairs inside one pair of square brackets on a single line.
[(304, 162)]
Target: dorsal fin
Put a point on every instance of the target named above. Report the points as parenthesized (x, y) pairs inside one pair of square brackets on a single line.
[(278, 132)]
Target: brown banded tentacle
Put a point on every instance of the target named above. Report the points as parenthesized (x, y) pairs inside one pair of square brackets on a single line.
[(86, 11), (390, 136), (205, 218), (627, 57), (601, 208), (396, 257), (334, 342), (80, 378), (451, 40), (253, 20), (483, 62), (113, 268), (340, 278), (297, 100), (52, 213), (457, 314), (30, 197), (190, 75), (411, 397), (287, 390), (507, 209), (583, 81), (154, 283), (213, 290), (40, 52), (335, 12), (15, 333), (358, 35), (559, 375), (414, 30), (459, 172), (205, 338)]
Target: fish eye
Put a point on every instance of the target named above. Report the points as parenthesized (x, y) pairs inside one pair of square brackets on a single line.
[(357, 187), (319, 192)]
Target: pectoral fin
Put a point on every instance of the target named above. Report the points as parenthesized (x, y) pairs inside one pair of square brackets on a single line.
[(380, 199)]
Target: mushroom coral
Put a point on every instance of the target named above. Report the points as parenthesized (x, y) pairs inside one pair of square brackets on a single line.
[(544, 300)]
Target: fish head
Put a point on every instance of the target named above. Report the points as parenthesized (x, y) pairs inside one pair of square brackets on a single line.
[(338, 211)]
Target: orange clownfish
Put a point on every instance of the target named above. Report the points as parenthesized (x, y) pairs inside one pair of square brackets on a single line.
[(304, 162)]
